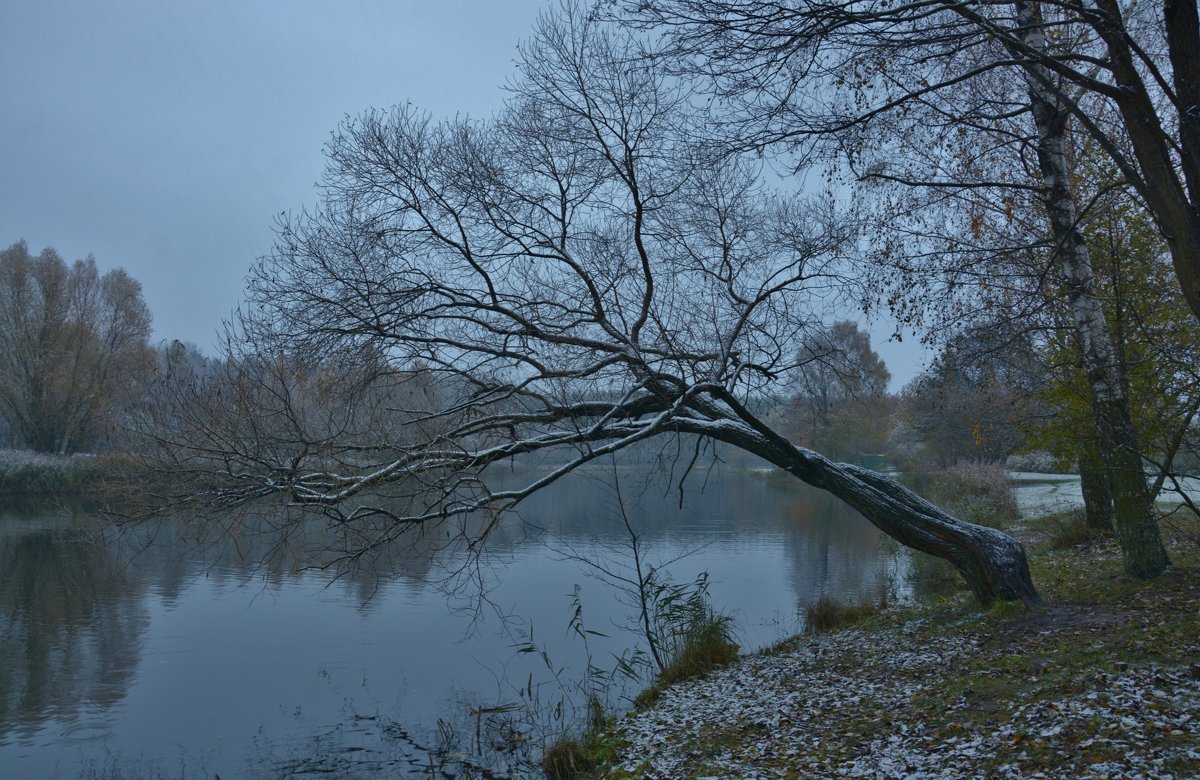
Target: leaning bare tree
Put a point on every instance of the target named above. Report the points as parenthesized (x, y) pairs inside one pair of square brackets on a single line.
[(575, 276), (971, 107)]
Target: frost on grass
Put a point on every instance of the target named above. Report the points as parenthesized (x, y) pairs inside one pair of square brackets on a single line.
[(26, 472), (854, 704), (19, 468), (18, 460)]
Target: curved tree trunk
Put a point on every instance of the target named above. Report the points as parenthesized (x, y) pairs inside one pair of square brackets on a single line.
[(992, 562)]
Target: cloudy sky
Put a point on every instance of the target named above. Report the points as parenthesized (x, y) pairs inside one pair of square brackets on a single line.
[(165, 137)]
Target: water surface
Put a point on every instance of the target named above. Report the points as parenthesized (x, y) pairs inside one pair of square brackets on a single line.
[(186, 649)]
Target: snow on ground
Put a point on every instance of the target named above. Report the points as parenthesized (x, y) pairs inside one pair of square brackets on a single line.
[(849, 704), (1044, 494), (899, 701)]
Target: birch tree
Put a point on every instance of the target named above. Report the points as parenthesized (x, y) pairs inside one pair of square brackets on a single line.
[(930, 96), (1155, 339), (1136, 526)]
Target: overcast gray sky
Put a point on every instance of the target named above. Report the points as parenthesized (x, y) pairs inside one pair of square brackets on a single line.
[(164, 137)]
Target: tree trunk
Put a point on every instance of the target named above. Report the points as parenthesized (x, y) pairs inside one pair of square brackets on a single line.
[(1133, 511), (1097, 494), (1136, 525), (992, 562), (1158, 181)]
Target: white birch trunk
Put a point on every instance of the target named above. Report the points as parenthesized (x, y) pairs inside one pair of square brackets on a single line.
[(1136, 525)]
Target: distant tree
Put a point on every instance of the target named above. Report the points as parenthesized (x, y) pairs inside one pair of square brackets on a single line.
[(577, 275), (841, 407), (340, 407), (971, 404), (73, 343), (179, 357)]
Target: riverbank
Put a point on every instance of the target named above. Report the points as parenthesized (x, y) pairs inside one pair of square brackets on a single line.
[(1104, 681), (26, 474)]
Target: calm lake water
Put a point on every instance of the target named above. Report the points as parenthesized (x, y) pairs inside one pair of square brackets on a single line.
[(186, 650)]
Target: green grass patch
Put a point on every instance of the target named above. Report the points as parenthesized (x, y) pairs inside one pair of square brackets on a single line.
[(571, 756), (567, 758)]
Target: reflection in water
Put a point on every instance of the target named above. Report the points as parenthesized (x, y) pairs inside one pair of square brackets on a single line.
[(70, 626), (248, 642), (832, 551), (827, 547)]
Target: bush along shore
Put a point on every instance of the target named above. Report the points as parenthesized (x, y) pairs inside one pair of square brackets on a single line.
[(1103, 681), (34, 474)]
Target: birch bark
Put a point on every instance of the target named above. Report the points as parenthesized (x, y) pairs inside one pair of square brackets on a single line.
[(1136, 525)]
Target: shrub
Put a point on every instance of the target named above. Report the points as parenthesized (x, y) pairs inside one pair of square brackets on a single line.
[(32, 473), (565, 759), (706, 644), (1038, 461), (693, 637), (828, 614), (1070, 529), (975, 492), (570, 757)]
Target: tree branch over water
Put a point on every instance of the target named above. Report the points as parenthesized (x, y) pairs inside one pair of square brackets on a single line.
[(579, 274)]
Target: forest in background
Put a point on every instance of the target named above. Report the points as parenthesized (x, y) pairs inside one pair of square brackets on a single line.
[(82, 377)]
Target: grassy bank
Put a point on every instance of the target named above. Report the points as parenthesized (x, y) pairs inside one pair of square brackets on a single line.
[(1104, 681), (33, 474)]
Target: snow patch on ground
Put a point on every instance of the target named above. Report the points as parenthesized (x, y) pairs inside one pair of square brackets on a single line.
[(1044, 494), (787, 715)]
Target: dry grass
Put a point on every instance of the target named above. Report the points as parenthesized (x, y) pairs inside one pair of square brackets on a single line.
[(975, 492), (705, 643), (567, 759), (1070, 529), (828, 614)]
